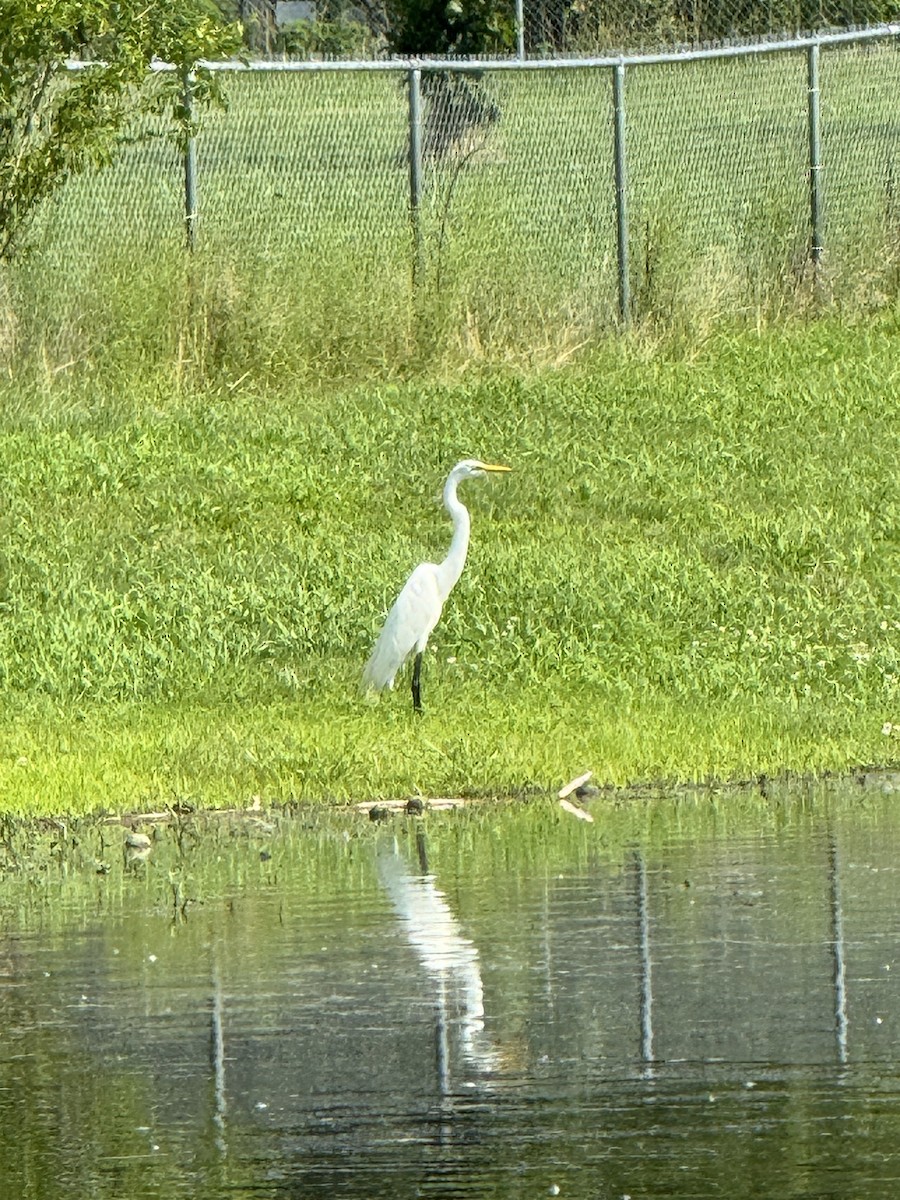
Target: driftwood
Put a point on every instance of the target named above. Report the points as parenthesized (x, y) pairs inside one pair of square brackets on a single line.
[(413, 804)]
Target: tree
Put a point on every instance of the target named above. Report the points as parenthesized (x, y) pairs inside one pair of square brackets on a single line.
[(258, 23), (460, 28), (56, 122), (457, 104)]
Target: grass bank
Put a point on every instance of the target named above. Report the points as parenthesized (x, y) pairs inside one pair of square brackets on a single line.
[(691, 574)]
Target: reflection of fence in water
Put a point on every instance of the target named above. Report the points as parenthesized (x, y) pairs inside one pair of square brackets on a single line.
[(644, 947), (452, 961), (837, 943), (451, 973)]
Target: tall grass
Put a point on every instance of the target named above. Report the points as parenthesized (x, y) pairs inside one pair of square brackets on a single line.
[(691, 574), (306, 251)]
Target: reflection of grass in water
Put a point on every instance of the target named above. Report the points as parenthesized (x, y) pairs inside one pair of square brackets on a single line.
[(301, 856), (690, 574), (108, 979)]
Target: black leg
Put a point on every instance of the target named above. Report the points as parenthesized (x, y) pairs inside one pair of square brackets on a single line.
[(417, 684)]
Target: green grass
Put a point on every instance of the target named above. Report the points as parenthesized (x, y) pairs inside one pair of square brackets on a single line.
[(690, 575)]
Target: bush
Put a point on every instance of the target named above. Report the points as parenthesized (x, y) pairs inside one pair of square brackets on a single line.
[(341, 39)]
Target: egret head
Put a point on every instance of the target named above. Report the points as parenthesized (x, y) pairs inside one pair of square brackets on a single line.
[(474, 468)]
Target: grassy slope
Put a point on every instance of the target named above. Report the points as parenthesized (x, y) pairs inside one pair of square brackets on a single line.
[(691, 574)]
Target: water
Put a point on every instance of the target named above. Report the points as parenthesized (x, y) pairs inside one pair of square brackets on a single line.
[(689, 998)]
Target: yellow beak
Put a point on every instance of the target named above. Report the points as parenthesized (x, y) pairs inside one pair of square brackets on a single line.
[(494, 467)]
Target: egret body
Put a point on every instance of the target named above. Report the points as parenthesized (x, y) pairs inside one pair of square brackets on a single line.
[(417, 609)]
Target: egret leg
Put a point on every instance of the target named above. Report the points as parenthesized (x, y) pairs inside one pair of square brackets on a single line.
[(417, 683)]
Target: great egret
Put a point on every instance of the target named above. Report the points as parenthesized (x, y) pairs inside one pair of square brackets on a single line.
[(418, 607)]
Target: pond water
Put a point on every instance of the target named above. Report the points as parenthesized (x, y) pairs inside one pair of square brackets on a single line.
[(691, 997)]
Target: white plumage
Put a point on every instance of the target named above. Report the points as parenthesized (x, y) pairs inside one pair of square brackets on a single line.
[(417, 609)]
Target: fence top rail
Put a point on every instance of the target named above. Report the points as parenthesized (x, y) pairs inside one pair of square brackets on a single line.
[(470, 66)]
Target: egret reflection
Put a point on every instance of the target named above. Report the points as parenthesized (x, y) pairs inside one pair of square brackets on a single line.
[(450, 960)]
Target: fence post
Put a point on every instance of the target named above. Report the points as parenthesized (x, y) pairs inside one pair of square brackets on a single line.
[(815, 154), (415, 167), (190, 170), (520, 30), (621, 192)]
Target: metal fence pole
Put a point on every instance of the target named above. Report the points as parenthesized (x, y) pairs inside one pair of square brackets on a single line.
[(415, 167), (520, 30), (815, 154), (190, 172), (621, 192)]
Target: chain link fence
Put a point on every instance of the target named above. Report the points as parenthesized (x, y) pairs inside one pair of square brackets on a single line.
[(350, 212), (574, 27), (357, 29)]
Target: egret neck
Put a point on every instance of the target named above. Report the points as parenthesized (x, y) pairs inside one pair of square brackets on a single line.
[(451, 568)]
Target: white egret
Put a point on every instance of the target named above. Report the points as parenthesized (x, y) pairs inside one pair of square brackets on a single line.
[(417, 609)]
